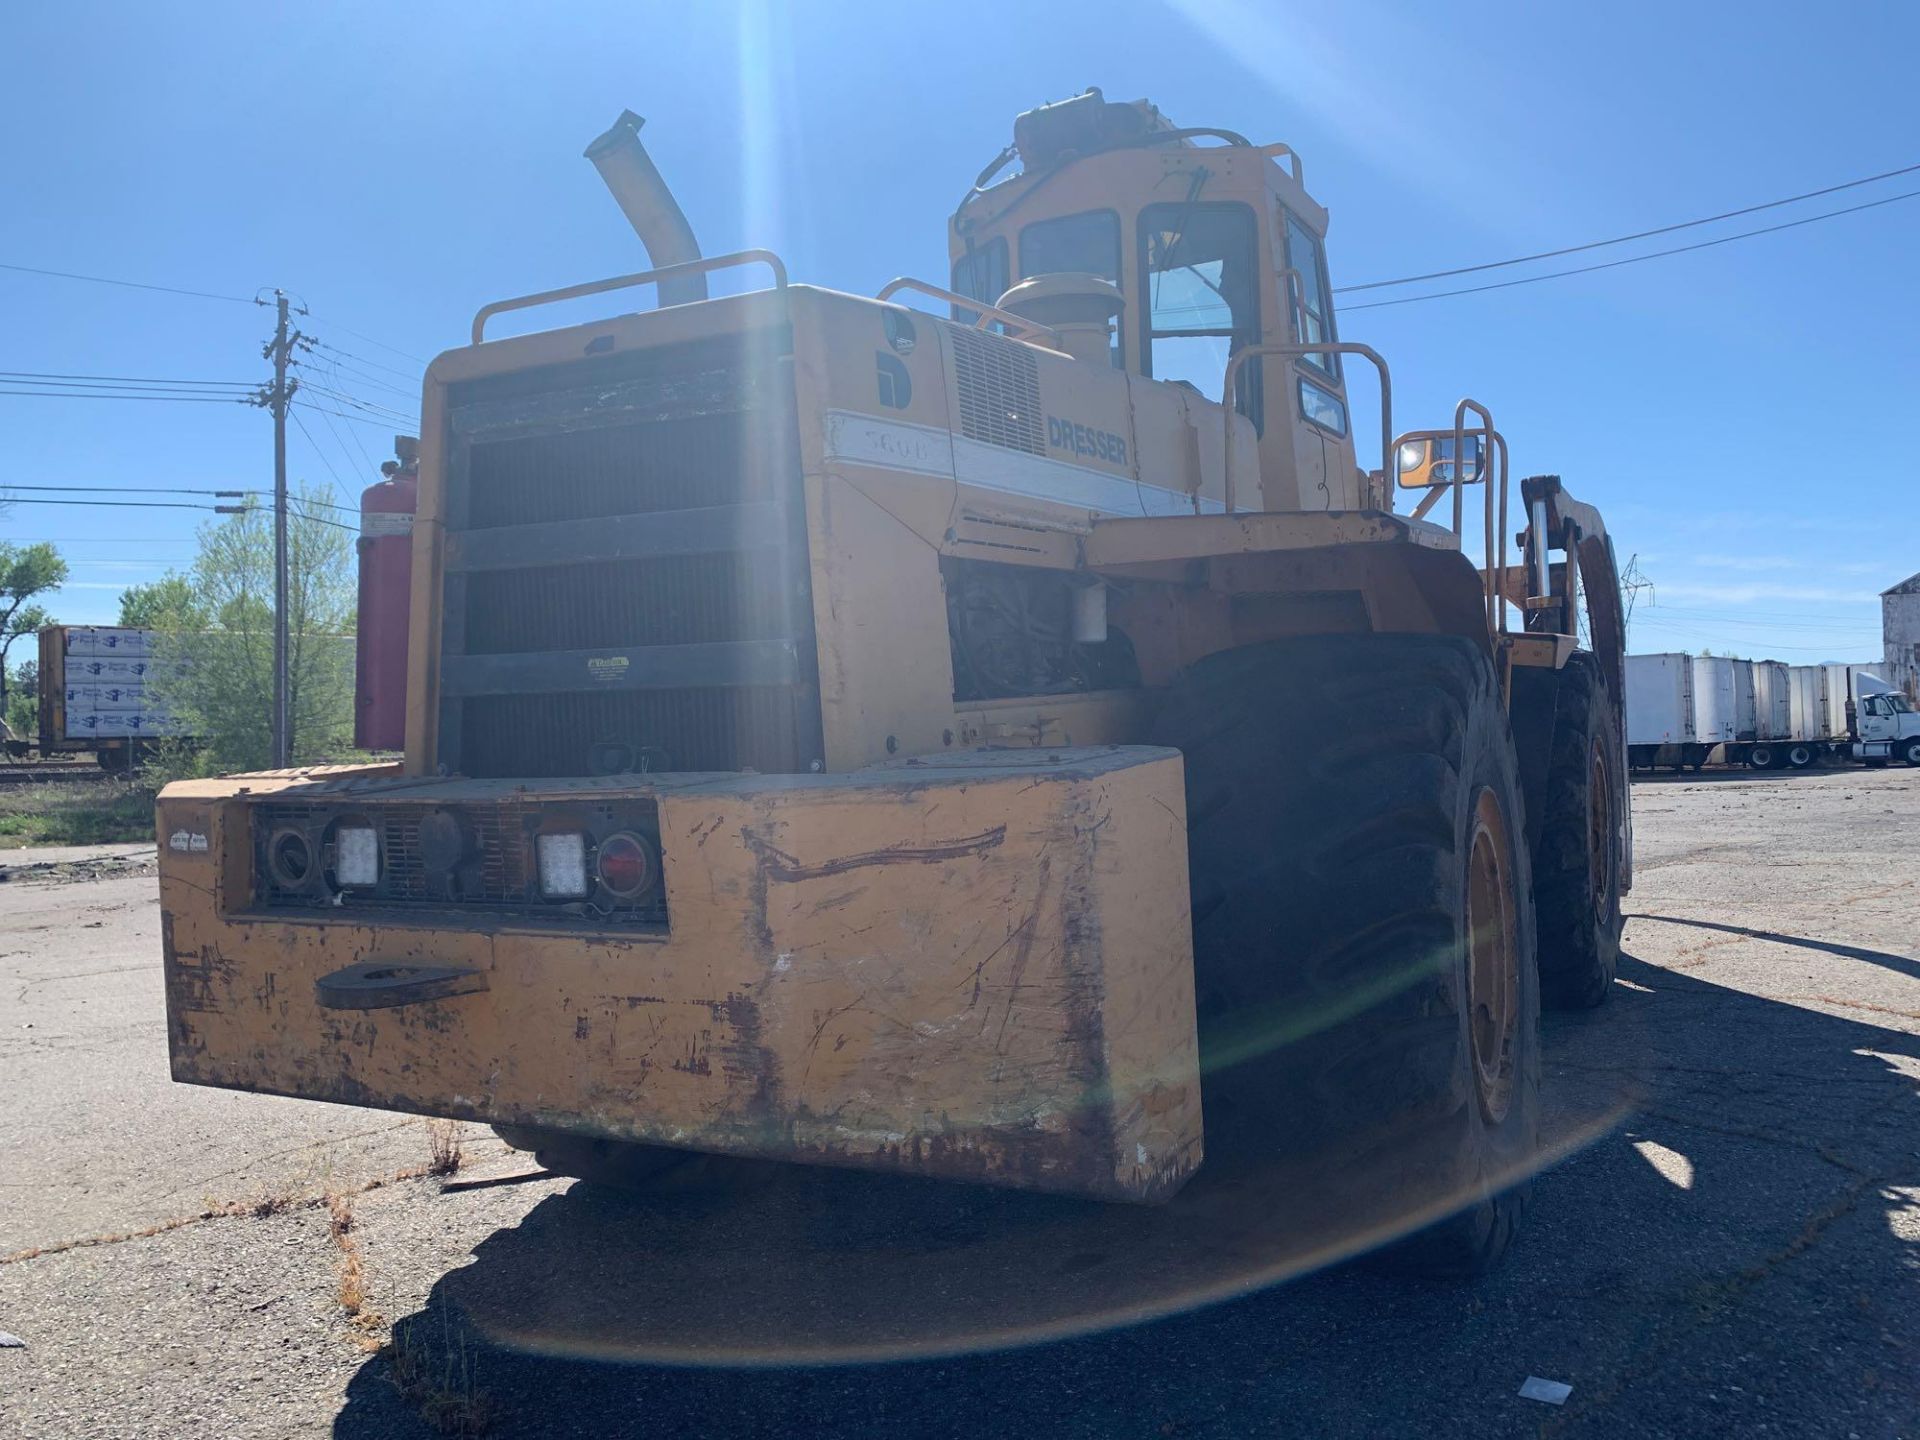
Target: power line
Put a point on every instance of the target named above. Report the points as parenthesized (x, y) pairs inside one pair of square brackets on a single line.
[(131, 395), (128, 284), (340, 374), (341, 397), (1681, 617), (137, 505), (8, 488), (393, 349), (191, 505), (412, 376), (1623, 239), (348, 395), (116, 540), (37, 376), (315, 445), (1636, 259), (345, 454), (231, 494), (359, 419), (321, 519)]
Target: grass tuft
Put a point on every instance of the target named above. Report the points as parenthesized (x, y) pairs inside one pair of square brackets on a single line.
[(79, 812), (445, 1150), (438, 1381)]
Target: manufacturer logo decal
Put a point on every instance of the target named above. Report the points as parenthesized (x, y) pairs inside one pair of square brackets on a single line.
[(900, 333), (1085, 440), (607, 667)]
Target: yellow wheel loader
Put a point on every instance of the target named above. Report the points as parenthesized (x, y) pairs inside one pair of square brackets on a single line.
[(991, 731)]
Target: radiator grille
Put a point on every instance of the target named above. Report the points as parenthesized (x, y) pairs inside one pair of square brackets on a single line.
[(749, 728), (617, 470), (999, 387), (683, 432), (678, 600), (500, 875)]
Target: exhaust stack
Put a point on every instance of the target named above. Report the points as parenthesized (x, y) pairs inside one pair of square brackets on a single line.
[(643, 197)]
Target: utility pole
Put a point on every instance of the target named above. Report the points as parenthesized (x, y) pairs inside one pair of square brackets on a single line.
[(277, 401)]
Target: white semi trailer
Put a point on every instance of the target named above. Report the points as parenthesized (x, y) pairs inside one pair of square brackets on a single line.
[(1772, 714), (1681, 709), (1663, 711)]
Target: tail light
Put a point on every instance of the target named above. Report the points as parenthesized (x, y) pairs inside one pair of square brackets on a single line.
[(626, 865)]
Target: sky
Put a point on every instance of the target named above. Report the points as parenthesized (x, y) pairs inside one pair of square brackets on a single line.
[(1741, 415)]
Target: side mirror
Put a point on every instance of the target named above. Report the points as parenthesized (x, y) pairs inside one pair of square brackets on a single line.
[(1428, 460)]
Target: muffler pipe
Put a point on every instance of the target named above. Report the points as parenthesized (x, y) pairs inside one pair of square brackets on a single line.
[(643, 197)]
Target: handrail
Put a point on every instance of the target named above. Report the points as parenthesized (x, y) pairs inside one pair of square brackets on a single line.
[(1459, 468), (1493, 577), (1298, 167), (1323, 347), (983, 311), (621, 282)]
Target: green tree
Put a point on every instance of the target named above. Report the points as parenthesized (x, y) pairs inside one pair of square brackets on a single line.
[(160, 604), (23, 700), (216, 649), (25, 571)]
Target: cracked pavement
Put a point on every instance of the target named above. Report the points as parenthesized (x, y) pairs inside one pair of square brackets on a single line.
[(1731, 1244)]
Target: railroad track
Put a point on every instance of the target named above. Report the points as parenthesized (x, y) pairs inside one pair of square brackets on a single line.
[(50, 773)]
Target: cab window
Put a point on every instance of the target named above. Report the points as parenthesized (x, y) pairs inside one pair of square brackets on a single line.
[(980, 274), (1199, 263), (1313, 315), (1088, 243)]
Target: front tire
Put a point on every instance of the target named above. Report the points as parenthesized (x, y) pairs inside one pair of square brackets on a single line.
[(1363, 922), (1909, 750), (1576, 828)]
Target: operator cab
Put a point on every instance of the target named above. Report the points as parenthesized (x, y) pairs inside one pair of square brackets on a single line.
[(1214, 247)]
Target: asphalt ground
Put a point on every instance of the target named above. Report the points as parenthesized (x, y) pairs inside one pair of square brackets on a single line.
[(1726, 1243)]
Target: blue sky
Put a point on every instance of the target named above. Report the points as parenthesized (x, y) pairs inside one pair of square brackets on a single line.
[(1742, 415)]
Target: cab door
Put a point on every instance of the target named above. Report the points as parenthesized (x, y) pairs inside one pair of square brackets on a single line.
[(1876, 718)]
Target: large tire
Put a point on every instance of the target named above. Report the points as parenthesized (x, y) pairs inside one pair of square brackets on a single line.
[(1908, 750), (1575, 827), (1342, 793)]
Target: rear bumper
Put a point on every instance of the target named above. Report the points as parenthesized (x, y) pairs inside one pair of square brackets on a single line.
[(976, 969)]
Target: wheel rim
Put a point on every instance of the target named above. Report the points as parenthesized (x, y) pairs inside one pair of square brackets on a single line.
[(1493, 955), (1600, 833), (1762, 757)]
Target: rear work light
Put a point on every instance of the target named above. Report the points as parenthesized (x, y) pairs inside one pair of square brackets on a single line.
[(563, 865), (290, 858), (626, 865), (356, 856)]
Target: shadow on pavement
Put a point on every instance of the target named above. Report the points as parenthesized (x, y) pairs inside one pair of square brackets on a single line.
[(1900, 964), (1719, 1250)]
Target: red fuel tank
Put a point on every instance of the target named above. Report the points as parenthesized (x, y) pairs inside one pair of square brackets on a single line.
[(386, 587)]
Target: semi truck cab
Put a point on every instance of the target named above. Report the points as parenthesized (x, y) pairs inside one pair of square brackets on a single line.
[(1886, 725)]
